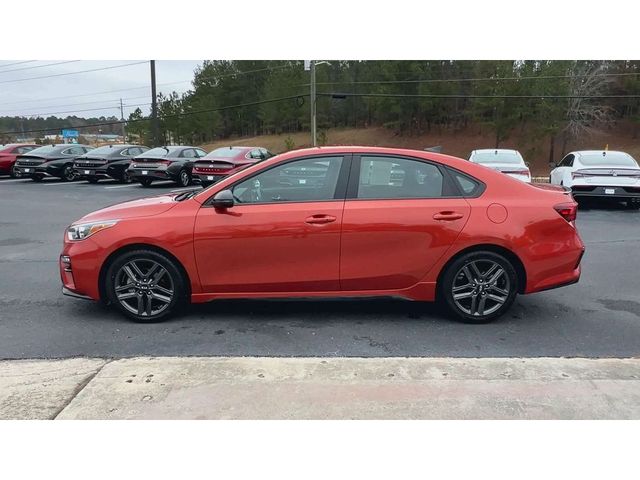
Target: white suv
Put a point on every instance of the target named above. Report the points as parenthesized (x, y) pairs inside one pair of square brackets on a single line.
[(509, 162)]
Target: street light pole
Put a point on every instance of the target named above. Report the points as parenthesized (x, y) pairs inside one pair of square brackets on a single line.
[(154, 105), (124, 134), (312, 99)]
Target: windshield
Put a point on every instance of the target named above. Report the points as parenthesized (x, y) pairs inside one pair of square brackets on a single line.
[(499, 157), (224, 153), (612, 158), (41, 150), (108, 149), (159, 152)]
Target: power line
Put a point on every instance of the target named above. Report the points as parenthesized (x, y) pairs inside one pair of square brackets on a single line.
[(411, 95), (73, 105), (482, 79), (38, 66), (146, 86), (73, 73), (114, 107), (17, 63), (182, 114)]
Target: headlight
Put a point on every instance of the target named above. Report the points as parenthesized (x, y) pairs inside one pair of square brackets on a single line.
[(84, 230)]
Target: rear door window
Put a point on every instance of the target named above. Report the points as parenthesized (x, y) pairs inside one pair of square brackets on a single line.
[(397, 178)]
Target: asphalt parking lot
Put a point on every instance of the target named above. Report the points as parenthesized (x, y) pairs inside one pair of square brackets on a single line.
[(599, 317)]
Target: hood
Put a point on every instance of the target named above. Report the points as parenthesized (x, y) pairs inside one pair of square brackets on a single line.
[(143, 207)]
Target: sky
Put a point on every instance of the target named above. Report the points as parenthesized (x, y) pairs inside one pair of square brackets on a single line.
[(88, 94)]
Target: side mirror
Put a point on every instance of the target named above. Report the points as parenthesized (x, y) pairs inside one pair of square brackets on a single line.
[(223, 199)]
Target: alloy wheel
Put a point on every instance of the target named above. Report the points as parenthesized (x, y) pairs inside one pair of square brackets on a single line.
[(480, 287), (69, 174), (144, 287), (184, 178)]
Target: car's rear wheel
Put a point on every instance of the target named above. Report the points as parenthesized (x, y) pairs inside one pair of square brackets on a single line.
[(145, 182), (184, 179), (14, 172), (125, 178), (145, 285), (92, 179), (479, 286), (68, 173)]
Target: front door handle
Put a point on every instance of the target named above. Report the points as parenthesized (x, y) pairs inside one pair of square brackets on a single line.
[(448, 216), (320, 219)]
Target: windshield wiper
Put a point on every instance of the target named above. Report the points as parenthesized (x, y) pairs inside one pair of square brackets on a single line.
[(185, 195)]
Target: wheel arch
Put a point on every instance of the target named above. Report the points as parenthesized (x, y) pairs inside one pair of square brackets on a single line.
[(489, 247), (139, 246)]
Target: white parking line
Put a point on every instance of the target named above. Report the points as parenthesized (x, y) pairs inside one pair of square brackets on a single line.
[(55, 184), (126, 185), (15, 180)]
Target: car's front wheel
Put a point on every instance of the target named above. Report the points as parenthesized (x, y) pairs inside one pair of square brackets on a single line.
[(479, 286), (145, 285)]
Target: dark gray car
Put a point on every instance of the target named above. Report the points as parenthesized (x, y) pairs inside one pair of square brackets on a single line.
[(109, 161), (50, 161), (165, 163)]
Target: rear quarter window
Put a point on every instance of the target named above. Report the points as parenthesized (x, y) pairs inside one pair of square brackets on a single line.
[(468, 186)]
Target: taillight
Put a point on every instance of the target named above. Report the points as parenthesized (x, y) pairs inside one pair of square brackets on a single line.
[(524, 172), (164, 162), (575, 175), (568, 211)]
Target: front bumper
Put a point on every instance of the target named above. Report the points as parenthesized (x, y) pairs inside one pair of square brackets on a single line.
[(71, 293)]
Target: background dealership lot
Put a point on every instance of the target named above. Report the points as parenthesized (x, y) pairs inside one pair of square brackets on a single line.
[(598, 317)]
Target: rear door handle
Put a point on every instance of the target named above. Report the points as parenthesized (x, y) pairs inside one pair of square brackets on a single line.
[(320, 219), (448, 216)]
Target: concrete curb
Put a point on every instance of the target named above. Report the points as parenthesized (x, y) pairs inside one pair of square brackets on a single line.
[(321, 388)]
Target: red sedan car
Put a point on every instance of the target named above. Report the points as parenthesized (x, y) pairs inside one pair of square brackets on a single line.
[(225, 161), (366, 222), (8, 154)]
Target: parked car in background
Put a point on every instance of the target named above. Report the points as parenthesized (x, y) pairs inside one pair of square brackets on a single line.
[(165, 163), (600, 174), (509, 162), (110, 161), (51, 161), (446, 229), (225, 161), (8, 155)]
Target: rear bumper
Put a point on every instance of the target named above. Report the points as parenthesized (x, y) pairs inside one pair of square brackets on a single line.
[(207, 179), (26, 171), (155, 174), (604, 191)]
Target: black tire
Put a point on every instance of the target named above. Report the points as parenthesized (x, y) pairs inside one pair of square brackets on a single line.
[(68, 173), (142, 295), (125, 178), (184, 179), (37, 177), (477, 302), (145, 182), (92, 179), (14, 172), (632, 205)]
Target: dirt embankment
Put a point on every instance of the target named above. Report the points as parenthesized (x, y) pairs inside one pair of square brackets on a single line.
[(618, 136)]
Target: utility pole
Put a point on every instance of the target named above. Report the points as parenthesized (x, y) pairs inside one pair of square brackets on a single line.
[(124, 134), (312, 99), (154, 105)]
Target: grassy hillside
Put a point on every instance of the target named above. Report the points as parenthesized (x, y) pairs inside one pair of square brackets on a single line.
[(459, 144)]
